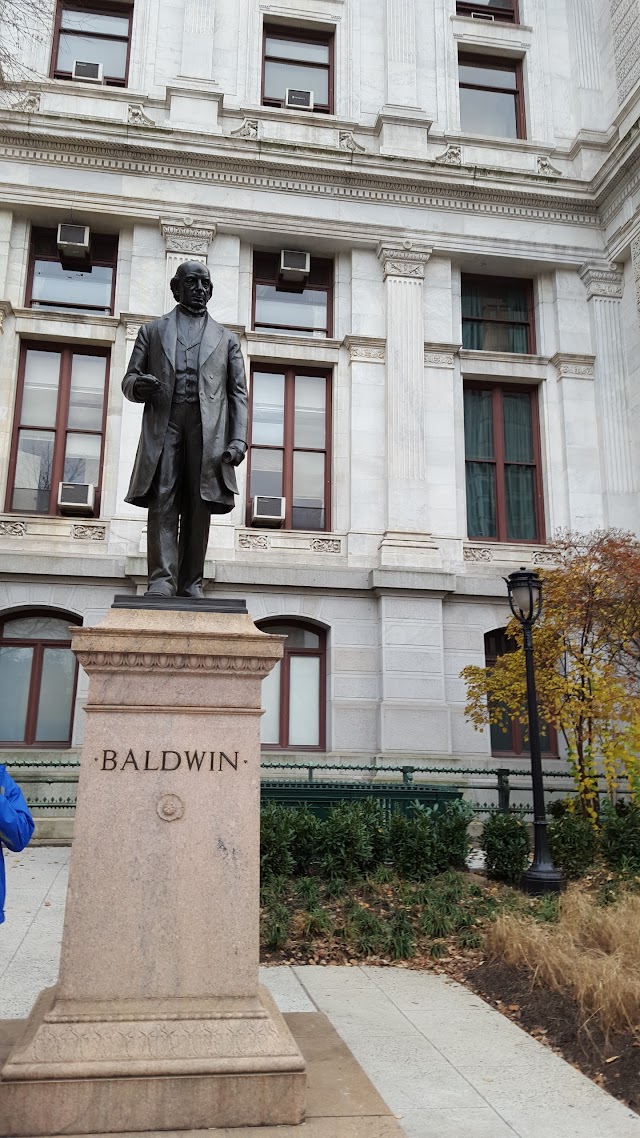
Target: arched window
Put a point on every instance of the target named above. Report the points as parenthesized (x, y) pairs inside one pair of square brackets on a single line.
[(38, 674), (509, 738), (293, 694)]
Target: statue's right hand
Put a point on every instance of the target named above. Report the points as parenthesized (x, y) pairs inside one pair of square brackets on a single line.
[(146, 386)]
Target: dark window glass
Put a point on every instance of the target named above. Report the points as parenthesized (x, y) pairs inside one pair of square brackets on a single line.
[(289, 444), (92, 33), (64, 391), (294, 692), (491, 97), (38, 673), (498, 9), (297, 60), (497, 314), (304, 309), (510, 736), (502, 464), (69, 289)]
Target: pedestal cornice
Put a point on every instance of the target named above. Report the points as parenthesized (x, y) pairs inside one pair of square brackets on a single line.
[(403, 258), (602, 280)]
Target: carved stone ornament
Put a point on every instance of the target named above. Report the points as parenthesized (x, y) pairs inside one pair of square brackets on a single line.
[(13, 529), (89, 533), (635, 260), (580, 367), (133, 324), (474, 553), (170, 808), (601, 281), (326, 545), (403, 258), (161, 662), (366, 349), (5, 310), (253, 541), (137, 117), (544, 557), (249, 129), (438, 359), (186, 237), (29, 103), (348, 142), (544, 167), (452, 156)]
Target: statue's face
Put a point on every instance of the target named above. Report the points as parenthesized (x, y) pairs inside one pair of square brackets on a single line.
[(192, 286)]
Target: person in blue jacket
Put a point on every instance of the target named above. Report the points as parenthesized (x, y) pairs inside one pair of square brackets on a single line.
[(16, 825)]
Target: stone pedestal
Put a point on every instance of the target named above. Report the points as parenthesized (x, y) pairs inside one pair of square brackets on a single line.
[(157, 1021)]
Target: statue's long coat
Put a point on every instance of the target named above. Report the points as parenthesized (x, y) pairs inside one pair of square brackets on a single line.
[(222, 387)]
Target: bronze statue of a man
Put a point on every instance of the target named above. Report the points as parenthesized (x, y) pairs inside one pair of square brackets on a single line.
[(189, 373)]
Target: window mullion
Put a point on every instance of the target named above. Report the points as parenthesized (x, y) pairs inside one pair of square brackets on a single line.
[(34, 693), (289, 424), (62, 419), (498, 450)]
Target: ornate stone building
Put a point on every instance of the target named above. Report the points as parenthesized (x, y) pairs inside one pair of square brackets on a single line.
[(422, 218)]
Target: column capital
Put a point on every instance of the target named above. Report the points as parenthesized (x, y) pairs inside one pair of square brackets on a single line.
[(602, 280), (187, 236), (403, 258)]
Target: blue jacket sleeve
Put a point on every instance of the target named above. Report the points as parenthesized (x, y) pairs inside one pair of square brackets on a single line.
[(16, 823)]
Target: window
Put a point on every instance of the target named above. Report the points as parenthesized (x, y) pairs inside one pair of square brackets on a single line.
[(282, 306), (289, 451), (59, 431), (297, 60), (491, 100), (497, 314), (92, 33), (50, 285), (502, 453), (38, 673), (293, 694), (510, 737), (489, 9)]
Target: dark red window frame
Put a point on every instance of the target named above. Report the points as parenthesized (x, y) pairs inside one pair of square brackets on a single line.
[(510, 282), (266, 269), (497, 643), (98, 9), (509, 13), (299, 35), (67, 351), (498, 63), (104, 251), (290, 371), (499, 463), (38, 647), (285, 691)]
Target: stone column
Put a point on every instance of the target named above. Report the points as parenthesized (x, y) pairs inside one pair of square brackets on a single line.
[(604, 291), (197, 39), (406, 540), (579, 429), (185, 240)]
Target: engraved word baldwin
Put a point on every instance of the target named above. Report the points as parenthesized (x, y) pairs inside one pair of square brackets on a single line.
[(169, 760)]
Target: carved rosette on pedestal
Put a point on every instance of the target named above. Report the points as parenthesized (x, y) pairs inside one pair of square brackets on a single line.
[(158, 1021)]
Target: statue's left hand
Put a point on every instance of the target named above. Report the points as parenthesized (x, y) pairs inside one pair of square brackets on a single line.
[(235, 452)]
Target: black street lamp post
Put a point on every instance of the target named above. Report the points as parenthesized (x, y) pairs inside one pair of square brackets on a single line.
[(525, 598)]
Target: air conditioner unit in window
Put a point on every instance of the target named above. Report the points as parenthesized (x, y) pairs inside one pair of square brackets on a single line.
[(298, 100), (76, 498), (87, 72), (74, 241), (294, 265), (483, 16), (267, 511)]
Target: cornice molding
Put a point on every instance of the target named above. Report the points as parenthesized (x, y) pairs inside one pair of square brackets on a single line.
[(573, 366), (602, 281), (366, 349), (403, 258)]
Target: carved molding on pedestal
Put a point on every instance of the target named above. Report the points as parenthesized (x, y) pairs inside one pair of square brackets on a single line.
[(88, 533), (366, 349), (602, 281), (577, 366), (440, 355), (403, 258), (187, 237), (133, 323), (162, 662)]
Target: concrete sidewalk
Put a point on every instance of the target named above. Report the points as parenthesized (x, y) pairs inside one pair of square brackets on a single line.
[(446, 1063)]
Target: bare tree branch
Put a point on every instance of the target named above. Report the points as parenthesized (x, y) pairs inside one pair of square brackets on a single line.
[(23, 23)]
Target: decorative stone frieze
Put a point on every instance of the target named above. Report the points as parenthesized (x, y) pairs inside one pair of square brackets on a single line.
[(452, 156), (602, 281), (625, 21), (326, 545), (579, 367), (253, 541), (440, 355), (249, 130), (13, 529), (348, 142), (29, 103), (546, 169), (544, 557), (88, 533), (475, 553), (403, 258), (187, 238), (365, 349), (136, 116)]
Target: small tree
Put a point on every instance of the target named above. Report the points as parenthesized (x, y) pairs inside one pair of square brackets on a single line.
[(587, 654)]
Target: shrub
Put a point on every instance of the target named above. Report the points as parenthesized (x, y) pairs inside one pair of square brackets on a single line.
[(451, 823), (506, 843), (345, 845), (620, 838), (276, 923), (431, 841), (276, 840), (375, 819), (306, 838), (367, 932), (401, 936), (574, 843)]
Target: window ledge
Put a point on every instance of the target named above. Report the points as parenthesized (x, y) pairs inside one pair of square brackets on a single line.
[(50, 324), (487, 37), (266, 345), (32, 530), (503, 365), (315, 542)]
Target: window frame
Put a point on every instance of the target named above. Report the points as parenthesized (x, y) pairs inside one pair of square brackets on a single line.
[(467, 7), (35, 680), (99, 9), (496, 63), (285, 687), (60, 429), (299, 35), (497, 388), (319, 266), (46, 306), (527, 284), (287, 448), (517, 728)]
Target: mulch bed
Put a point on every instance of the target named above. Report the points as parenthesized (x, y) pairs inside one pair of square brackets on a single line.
[(553, 1018)]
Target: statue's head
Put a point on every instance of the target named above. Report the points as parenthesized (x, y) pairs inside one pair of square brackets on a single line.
[(192, 286)]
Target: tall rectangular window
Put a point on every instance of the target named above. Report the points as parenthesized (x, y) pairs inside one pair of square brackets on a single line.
[(59, 424), (510, 737), (297, 60), (289, 455), (491, 99), (489, 9), (92, 33), (50, 284), (304, 309), (502, 456), (497, 314)]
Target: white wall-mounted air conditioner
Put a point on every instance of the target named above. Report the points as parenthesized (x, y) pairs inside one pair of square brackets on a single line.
[(74, 241), (76, 498), (483, 16), (298, 100), (267, 511), (294, 265), (87, 72)]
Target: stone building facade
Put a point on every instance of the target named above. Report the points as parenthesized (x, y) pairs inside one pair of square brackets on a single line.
[(468, 189)]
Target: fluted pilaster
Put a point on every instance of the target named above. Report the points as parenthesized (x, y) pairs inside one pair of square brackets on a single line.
[(586, 41), (197, 39), (402, 87)]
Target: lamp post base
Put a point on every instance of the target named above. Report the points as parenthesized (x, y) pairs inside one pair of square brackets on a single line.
[(541, 878)]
